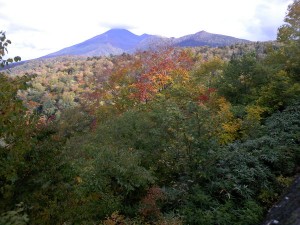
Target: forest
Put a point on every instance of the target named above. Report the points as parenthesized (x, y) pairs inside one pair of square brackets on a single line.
[(168, 136)]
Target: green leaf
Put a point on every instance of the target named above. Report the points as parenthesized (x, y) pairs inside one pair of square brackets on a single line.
[(17, 59)]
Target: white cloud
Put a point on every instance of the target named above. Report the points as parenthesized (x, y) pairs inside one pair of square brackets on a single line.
[(39, 27)]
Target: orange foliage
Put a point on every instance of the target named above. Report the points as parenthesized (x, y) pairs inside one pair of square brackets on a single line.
[(160, 69)]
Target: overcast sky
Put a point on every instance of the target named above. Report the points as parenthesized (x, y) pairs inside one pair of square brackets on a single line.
[(39, 27)]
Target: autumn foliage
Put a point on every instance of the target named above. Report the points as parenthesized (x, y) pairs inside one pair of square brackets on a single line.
[(165, 136)]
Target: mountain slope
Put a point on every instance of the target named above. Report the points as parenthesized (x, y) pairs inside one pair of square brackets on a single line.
[(118, 41)]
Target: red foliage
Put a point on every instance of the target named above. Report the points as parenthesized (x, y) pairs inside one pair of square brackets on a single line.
[(156, 71), (149, 208), (203, 98), (144, 90), (206, 96), (211, 90)]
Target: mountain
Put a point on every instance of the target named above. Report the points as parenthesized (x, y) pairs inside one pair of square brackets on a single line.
[(118, 41), (114, 41), (203, 38)]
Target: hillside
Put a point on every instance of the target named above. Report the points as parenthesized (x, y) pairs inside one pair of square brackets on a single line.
[(133, 138), (41, 65)]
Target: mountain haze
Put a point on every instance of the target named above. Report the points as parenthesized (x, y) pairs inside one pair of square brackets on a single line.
[(118, 41)]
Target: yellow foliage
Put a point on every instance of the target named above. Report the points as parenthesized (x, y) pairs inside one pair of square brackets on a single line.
[(284, 181), (226, 127), (230, 131), (180, 75), (169, 221), (209, 71), (115, 219), (78, 180), (268, 197), (160, 80), (211, 66), (254, 112), (224, 107), (252, 119)]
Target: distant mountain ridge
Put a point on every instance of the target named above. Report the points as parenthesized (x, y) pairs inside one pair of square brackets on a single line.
[(118, 41), (204, 38)]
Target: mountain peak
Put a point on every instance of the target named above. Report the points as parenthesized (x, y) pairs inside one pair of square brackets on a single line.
[(203, 32), (118, 31)]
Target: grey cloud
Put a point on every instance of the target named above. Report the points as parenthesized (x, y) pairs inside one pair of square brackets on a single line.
[(265, 27), (262, 32)]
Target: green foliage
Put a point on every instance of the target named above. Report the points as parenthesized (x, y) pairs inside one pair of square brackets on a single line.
[(31, 168), (242, 79), (3, 51), (15, 217), (280, 92), (121, 171), (47, 184), (209, 71), (243, 177), (109, 179), (291, 30), (228, 213), (16, 136), (289, 34)]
